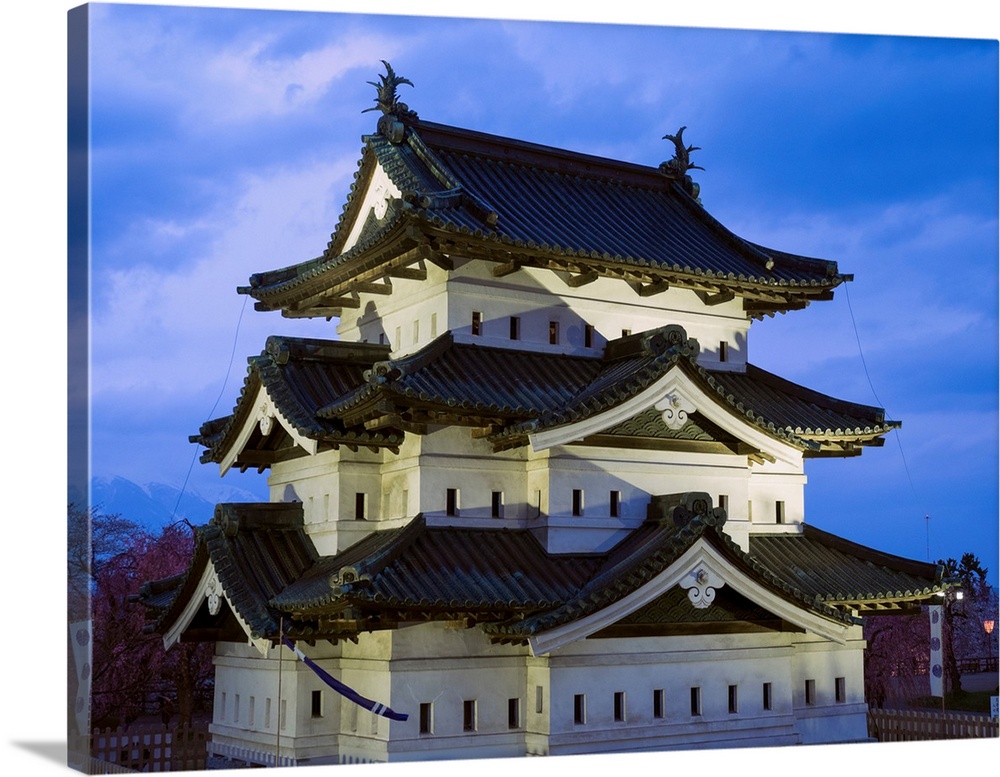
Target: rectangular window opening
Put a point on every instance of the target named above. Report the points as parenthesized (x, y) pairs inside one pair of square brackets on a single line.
[(236, 709), (626, 332), (317, 704), (734, 701), (696, 701), (620, 706), (469, 715), (840, 686), (766, 701), (724, 502), (588, 335), (615, 506), (658, 703), (360, 506), (477, 323), (749, 510), (810, 691), (416, 332), (496, 509), (539, 699), (580, 709), (779, 512), (451, 506), (513, 713), (434, 325), (405, 506), (267, 712), (426, 718), (251, 712), (723, 351), (515, 328), (577, 501), (553, 332)]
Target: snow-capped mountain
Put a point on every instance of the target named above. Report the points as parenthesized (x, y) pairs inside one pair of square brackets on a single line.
[(155, 505)]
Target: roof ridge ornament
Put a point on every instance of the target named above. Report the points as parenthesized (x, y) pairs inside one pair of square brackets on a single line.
[(677, 167), (394, 113)]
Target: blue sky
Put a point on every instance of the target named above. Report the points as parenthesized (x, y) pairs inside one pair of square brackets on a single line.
[(224, 143)]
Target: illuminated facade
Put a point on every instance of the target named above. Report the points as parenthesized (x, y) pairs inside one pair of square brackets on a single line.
[(534, 497)]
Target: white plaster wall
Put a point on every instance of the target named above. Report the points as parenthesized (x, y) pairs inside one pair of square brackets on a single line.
[(418, 311), (243, 678), (599, 668), (826, 719)]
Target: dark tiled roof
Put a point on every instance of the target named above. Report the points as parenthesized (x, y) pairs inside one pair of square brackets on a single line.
[(257, 551), (329, 389), (503, 578), (796, 409), (442, 568), (301, 375), (840, 572), (543, 204)]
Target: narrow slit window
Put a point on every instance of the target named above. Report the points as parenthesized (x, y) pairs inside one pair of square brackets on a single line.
[(724, 502), (658, 703), (767, 702), (426, 718), (267, 712), (469, 715), (840, 689), (626, 332), (696, 701), (577, 501), (477, 323), (236, 709), (553, 332), (513, 713), (779, 512), (416, 332), (615, 504), (810, 691), (434, 325), (734, 699), (451, 502), (360, 506), (750, 510), (317, 704), (539, 699), (620, 706), (496, 509), (723, 351), (588, 335), (515, 328), (580, 709)]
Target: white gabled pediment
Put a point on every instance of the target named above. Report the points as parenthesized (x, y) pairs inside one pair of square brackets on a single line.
[(211, 592), (264, 415), (375, 202), (676, 396), (702, 570)]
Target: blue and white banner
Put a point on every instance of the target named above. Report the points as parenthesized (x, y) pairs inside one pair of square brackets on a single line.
[(937, 654), (375, 707)]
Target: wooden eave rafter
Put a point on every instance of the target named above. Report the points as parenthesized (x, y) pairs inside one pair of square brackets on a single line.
[(414, 241)]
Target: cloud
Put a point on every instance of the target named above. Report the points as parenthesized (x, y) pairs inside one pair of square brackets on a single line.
[(189, 309)]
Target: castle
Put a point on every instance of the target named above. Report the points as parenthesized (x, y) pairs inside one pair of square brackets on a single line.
[(534, 499)]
